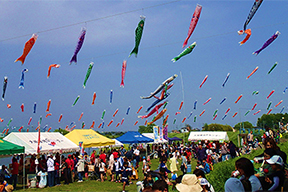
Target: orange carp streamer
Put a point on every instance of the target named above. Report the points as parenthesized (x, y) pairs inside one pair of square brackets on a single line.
[(60, 118), (235, 114), (48, 105), (248, 34), (184, 120), (269, 111), (49, 114), (115, 113), (181, 104), (94, 97), (278, 103), (50, 67), (158, 116), (92, 126), (135, 123), (27, 48), (252, 72), (110, 123), (139, 109), (202, 113), (238, 98), (270, 94), (80, 116)]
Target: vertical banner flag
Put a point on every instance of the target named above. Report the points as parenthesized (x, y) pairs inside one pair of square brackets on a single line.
[(165, 132), (156, 135), (161, 133), (81, 148)]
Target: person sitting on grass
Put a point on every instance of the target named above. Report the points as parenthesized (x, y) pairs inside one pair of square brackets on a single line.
[(125, 175), (276, 179), (245, 169)]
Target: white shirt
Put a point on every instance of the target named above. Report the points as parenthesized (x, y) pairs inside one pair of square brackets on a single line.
[(136, 152), (50, 165)]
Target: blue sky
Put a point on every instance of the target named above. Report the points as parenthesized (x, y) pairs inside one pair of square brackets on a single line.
[(110, 39)]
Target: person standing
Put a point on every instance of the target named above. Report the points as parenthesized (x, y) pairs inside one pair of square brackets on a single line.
[(80, 168), (250, 138), (137, 156), (68, 162), (14, 172), (50, 170)]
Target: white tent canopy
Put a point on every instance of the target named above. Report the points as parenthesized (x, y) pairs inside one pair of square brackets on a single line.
[(208, 135), (151, 136), (49, 142)]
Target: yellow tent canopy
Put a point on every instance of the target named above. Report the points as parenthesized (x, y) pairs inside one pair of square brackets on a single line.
[(89, 137)]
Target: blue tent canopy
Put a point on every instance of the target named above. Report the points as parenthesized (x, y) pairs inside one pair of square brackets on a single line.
[(175, 139), (134, 137)]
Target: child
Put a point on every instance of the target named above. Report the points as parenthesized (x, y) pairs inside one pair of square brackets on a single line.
[(148, 181), (125, 175), (144, 168), (276, 179), (117, 170)]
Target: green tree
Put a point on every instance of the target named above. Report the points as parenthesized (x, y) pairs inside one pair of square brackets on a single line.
[(245, 124), (272, 120), (146, 129), (62, 131), (217, 127)]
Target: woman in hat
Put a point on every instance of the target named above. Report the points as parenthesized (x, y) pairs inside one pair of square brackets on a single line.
[(189, 183), (276, 179), (80, 168)]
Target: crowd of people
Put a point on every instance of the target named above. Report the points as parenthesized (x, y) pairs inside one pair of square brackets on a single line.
[(122, 166)]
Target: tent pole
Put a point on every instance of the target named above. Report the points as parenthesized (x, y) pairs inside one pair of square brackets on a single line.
[(60, 163), (146, 150), (24, 170)]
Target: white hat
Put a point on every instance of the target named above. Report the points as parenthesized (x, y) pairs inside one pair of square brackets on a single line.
[(203, 181), (189, 183), (276, 159)]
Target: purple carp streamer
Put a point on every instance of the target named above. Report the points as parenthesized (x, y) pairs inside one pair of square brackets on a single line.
[(268, 42), (79, 45)]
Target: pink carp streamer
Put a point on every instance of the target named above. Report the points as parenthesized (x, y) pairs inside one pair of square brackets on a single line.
[(193, 23), (124, 65), (257, 112)]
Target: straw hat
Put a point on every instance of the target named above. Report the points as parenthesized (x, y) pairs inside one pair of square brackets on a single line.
[(9, 188), (189, 183), (80, 156)]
